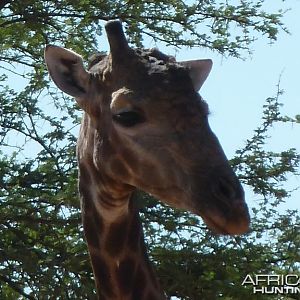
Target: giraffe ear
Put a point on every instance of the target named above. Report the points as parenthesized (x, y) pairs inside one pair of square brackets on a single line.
[(67, 71), (199, 70)]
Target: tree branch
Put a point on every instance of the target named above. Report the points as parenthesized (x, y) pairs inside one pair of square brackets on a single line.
[(15, 287)]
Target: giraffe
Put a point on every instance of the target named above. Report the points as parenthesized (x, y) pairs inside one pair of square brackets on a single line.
[(144, 126)]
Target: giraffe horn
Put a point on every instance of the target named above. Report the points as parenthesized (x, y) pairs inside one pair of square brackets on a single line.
[(116, 38)]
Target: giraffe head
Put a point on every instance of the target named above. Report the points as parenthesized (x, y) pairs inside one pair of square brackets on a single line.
[(147, 127)]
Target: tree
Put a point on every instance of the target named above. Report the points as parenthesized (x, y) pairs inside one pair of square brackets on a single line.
[(42, 251)]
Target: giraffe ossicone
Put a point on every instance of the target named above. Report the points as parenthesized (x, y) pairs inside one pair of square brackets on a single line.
[(144, 126)]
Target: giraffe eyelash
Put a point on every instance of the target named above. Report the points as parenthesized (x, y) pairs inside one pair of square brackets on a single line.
[(128, 118)]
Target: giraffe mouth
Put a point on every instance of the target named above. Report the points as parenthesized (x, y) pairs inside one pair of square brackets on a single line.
[(224, 210), (237, 223)]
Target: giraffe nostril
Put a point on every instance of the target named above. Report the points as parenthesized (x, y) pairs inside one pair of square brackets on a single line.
[(226, 189)]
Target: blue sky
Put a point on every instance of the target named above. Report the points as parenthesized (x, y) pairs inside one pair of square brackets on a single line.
[(236, 91)]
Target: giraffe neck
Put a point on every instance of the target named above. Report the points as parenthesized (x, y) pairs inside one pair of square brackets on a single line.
[(116, 244)]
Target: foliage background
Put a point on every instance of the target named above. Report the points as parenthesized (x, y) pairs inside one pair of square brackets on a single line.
[(42, 251)]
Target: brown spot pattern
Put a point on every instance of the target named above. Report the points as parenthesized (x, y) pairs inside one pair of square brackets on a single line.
[(135, 234), (129, 157), (116, 237), (118, 168), (139, 285), (102, 275), (91, 232), (125, 274)]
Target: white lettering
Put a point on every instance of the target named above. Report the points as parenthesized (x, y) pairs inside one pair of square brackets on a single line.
[(277, 290), (296, 290), (248, 280), (260, 278), (258, 290), (273, 284), (273, 278), (292, 279)]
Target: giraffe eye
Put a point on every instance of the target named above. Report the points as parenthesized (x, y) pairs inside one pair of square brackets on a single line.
[(128, 118)]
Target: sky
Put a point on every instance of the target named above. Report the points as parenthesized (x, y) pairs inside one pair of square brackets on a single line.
[(236, 91)]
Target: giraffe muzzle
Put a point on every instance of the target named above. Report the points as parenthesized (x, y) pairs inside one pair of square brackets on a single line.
[(227, 212), (237, 224)]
